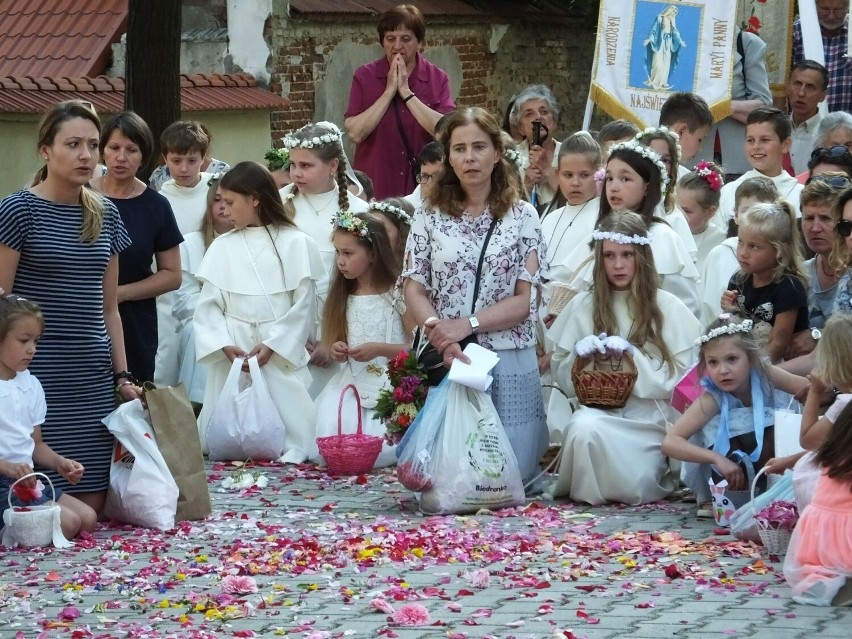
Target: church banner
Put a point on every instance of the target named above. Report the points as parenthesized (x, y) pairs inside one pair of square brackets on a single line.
[(647, 49)]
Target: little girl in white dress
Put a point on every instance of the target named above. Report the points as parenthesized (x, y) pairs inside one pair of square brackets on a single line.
[(361, 326)]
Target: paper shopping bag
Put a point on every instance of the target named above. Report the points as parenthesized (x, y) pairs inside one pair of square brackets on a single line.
[(174, 425)]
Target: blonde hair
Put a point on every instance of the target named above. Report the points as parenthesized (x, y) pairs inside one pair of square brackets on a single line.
[(747, 342), (833, 355), (775, 222), (647, 317), (91, 203)]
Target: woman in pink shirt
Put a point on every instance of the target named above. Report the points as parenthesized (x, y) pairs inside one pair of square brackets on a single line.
[(394, 104)]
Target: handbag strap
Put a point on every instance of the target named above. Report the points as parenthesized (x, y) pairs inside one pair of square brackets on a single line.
[(479, 264), (401, 130)]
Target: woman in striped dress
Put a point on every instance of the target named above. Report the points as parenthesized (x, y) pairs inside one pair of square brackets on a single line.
[(59, 245)]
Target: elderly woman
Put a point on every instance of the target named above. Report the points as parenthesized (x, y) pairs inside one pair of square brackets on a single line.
[(476, 210), (537, 104), (394, 104), (126, 145), (834, 131)]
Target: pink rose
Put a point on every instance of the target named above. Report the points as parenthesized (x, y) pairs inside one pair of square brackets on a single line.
[(239, 585), (411, 615), (479, 578), (382, 606), (398, 394)]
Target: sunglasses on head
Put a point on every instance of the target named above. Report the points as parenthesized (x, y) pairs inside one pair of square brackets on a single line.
[(844, 228), (837, 151), (835, 181)]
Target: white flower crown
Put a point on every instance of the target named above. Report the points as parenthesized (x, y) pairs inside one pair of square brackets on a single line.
[(397, 212), (727, 329), (665, 131), (621, 238), (646, 152), (334, 134), (515, 157), (346, 221)]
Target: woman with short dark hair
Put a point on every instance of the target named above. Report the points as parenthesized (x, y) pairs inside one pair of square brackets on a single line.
[(394, 104), (126, 144)]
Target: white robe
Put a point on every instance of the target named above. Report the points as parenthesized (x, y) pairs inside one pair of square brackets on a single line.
[(237, 308), (719, 267), (563, 229), (614, 455), (189, 205), (191, 373), (788, 187)]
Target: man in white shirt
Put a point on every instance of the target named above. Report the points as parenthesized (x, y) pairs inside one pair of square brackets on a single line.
[(806, 88)]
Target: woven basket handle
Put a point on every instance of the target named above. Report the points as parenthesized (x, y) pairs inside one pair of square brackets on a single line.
[(753, 486), (20, 479), (340, 409)]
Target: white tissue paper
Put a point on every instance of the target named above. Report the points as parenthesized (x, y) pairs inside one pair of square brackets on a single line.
[(474, 375)]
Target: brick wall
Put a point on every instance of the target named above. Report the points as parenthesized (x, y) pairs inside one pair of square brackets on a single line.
[(555, 55)]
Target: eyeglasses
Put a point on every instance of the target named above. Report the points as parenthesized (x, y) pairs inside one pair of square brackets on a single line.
[(837, 151), (834, 181), (422, 178), (844, 228), (836, 12)]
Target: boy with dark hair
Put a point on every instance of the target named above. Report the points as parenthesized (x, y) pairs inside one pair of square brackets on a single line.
[(767, 139), (688, 115), (430, 159), (615, 131), (184, 145)]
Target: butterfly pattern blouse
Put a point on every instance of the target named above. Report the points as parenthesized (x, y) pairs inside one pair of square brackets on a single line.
[(443, 252)]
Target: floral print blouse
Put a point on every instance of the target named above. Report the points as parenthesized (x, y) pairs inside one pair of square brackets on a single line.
[(442, 254)]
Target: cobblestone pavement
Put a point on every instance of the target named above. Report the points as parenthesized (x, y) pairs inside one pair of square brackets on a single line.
[(347, 557)]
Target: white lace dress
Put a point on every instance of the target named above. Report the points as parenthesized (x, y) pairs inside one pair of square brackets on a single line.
[(369, 318)]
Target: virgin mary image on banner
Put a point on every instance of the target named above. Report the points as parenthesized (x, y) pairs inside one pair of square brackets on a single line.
[(662, 49)]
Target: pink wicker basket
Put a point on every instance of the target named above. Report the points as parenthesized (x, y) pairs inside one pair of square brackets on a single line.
[(775, 541), (350, 454)]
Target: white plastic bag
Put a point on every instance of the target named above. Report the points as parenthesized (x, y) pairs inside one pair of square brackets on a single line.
[(142, 490), (416, 451), (473, 466), (245, 423)]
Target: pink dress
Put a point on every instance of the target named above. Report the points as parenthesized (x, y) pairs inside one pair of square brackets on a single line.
[(819, 559)]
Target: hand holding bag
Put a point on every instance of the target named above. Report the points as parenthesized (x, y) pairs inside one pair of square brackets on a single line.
[(174, 425), (245, 423), (141, 491)]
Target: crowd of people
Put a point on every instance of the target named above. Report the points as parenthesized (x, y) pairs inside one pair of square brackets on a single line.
[(666, 259)]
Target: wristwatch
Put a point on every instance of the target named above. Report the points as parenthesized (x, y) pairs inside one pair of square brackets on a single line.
[(474, 323), (816, 334)]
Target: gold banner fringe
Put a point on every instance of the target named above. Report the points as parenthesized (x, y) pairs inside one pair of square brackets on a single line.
[(616, 109)]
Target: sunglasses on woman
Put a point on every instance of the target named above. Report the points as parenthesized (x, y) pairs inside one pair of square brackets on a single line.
[(834, 181), (837, 151), (844, 228)]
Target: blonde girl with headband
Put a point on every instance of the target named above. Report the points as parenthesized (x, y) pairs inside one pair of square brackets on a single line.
[(22, 412), (697, 198), (770, 288), (191, 373), (362, 327), (735, 417), (317, 193), (613, 455), (665, 143), (258, 299)]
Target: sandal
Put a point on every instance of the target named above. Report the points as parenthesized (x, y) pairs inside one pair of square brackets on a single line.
[(844, 595), (705, 511)]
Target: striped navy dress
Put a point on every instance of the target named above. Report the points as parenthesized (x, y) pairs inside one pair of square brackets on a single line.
[(73, 363)]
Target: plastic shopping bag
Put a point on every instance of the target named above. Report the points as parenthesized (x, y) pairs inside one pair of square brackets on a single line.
[(141, 491), (473, 466), (416, 450), (245, 423)]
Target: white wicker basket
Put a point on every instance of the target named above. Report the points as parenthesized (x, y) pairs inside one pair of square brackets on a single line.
[(774, 541), (33, 526)]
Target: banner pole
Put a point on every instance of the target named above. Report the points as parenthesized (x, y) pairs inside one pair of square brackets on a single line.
[(587, 117)]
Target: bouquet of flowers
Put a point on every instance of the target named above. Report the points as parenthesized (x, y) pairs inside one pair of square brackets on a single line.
[(398, 405)]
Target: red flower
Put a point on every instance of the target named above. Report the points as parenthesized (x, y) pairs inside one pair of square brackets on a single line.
[(753, 24), (403, 420)]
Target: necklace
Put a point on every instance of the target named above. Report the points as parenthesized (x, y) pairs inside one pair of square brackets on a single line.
[(565, 230), (323, 206), (831, 275)]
